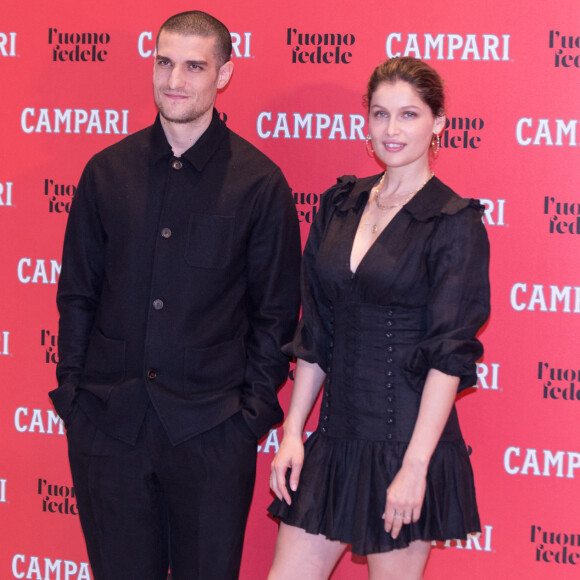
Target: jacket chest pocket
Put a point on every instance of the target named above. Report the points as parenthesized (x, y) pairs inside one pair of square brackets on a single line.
[(209, 241)]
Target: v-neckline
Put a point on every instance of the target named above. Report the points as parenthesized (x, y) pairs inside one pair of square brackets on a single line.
[(364, 257)]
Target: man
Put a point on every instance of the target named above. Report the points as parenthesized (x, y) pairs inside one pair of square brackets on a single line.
[(178, 286)]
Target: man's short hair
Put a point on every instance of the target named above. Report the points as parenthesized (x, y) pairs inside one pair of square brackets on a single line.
[(198, 23)]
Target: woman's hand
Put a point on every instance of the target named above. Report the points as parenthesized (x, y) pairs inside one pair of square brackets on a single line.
[(405, 498), (289, 456), (406, 493), (307, 382)]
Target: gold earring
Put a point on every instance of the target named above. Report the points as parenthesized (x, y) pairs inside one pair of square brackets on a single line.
[(369, 145), (436, 144)]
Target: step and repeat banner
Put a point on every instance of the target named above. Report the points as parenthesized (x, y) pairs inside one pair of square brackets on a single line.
[(76, 77)]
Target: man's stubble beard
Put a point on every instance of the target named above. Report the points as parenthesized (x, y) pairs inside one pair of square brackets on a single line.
[(188, 116)]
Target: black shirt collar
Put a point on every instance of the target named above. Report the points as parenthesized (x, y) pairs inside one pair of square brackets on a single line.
[(199, 153)]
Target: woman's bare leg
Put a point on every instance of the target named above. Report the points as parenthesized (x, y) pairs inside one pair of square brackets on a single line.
[(304, 556), (405, 564)]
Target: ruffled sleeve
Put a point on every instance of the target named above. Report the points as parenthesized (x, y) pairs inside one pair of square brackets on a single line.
[(312, 338), (459, 296)]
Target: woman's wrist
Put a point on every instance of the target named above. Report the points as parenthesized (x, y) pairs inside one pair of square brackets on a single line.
[(293, 429), (416, 463)]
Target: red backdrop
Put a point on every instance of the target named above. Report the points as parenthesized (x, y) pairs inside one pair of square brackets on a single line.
[(77, 77)]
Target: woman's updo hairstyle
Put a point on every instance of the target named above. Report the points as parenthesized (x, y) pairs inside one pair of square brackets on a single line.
[(423, 78)]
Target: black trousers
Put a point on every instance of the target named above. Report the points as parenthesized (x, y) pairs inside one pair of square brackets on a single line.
[(152, 506)]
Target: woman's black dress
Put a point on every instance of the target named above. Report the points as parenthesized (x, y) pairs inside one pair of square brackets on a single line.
[(416, 302)]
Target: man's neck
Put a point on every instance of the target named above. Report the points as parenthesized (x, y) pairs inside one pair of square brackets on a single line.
[(182, 136)]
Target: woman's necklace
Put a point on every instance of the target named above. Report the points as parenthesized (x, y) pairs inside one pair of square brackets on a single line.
[(383, 207)]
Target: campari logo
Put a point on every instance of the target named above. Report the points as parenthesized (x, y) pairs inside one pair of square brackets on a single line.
[(284, 125), (566, 49), (241, 44), (8, 44), (59, 196), (38, 421), (3, 490), (494, 211), (74, 46), (559, 384), (38, 271), (471, 47), (564, 215), (547, 132), (545, 298), (43, 568), (6, 194), (477, 543), (5, 343), (555, 546), (541, 462), (488, 376), (97, 121), (57, 499), (320, 47)]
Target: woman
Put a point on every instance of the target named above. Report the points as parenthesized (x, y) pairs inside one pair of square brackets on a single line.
[(395, 288)]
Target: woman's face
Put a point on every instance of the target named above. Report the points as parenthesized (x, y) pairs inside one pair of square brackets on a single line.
[(401, 126)]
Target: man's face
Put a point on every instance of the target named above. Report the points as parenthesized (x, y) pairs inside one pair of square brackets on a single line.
[(186, 77)]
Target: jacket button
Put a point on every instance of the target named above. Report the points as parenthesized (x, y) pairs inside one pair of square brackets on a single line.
[(158, 304), (151, 374), (166, 233), (177, 164)]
